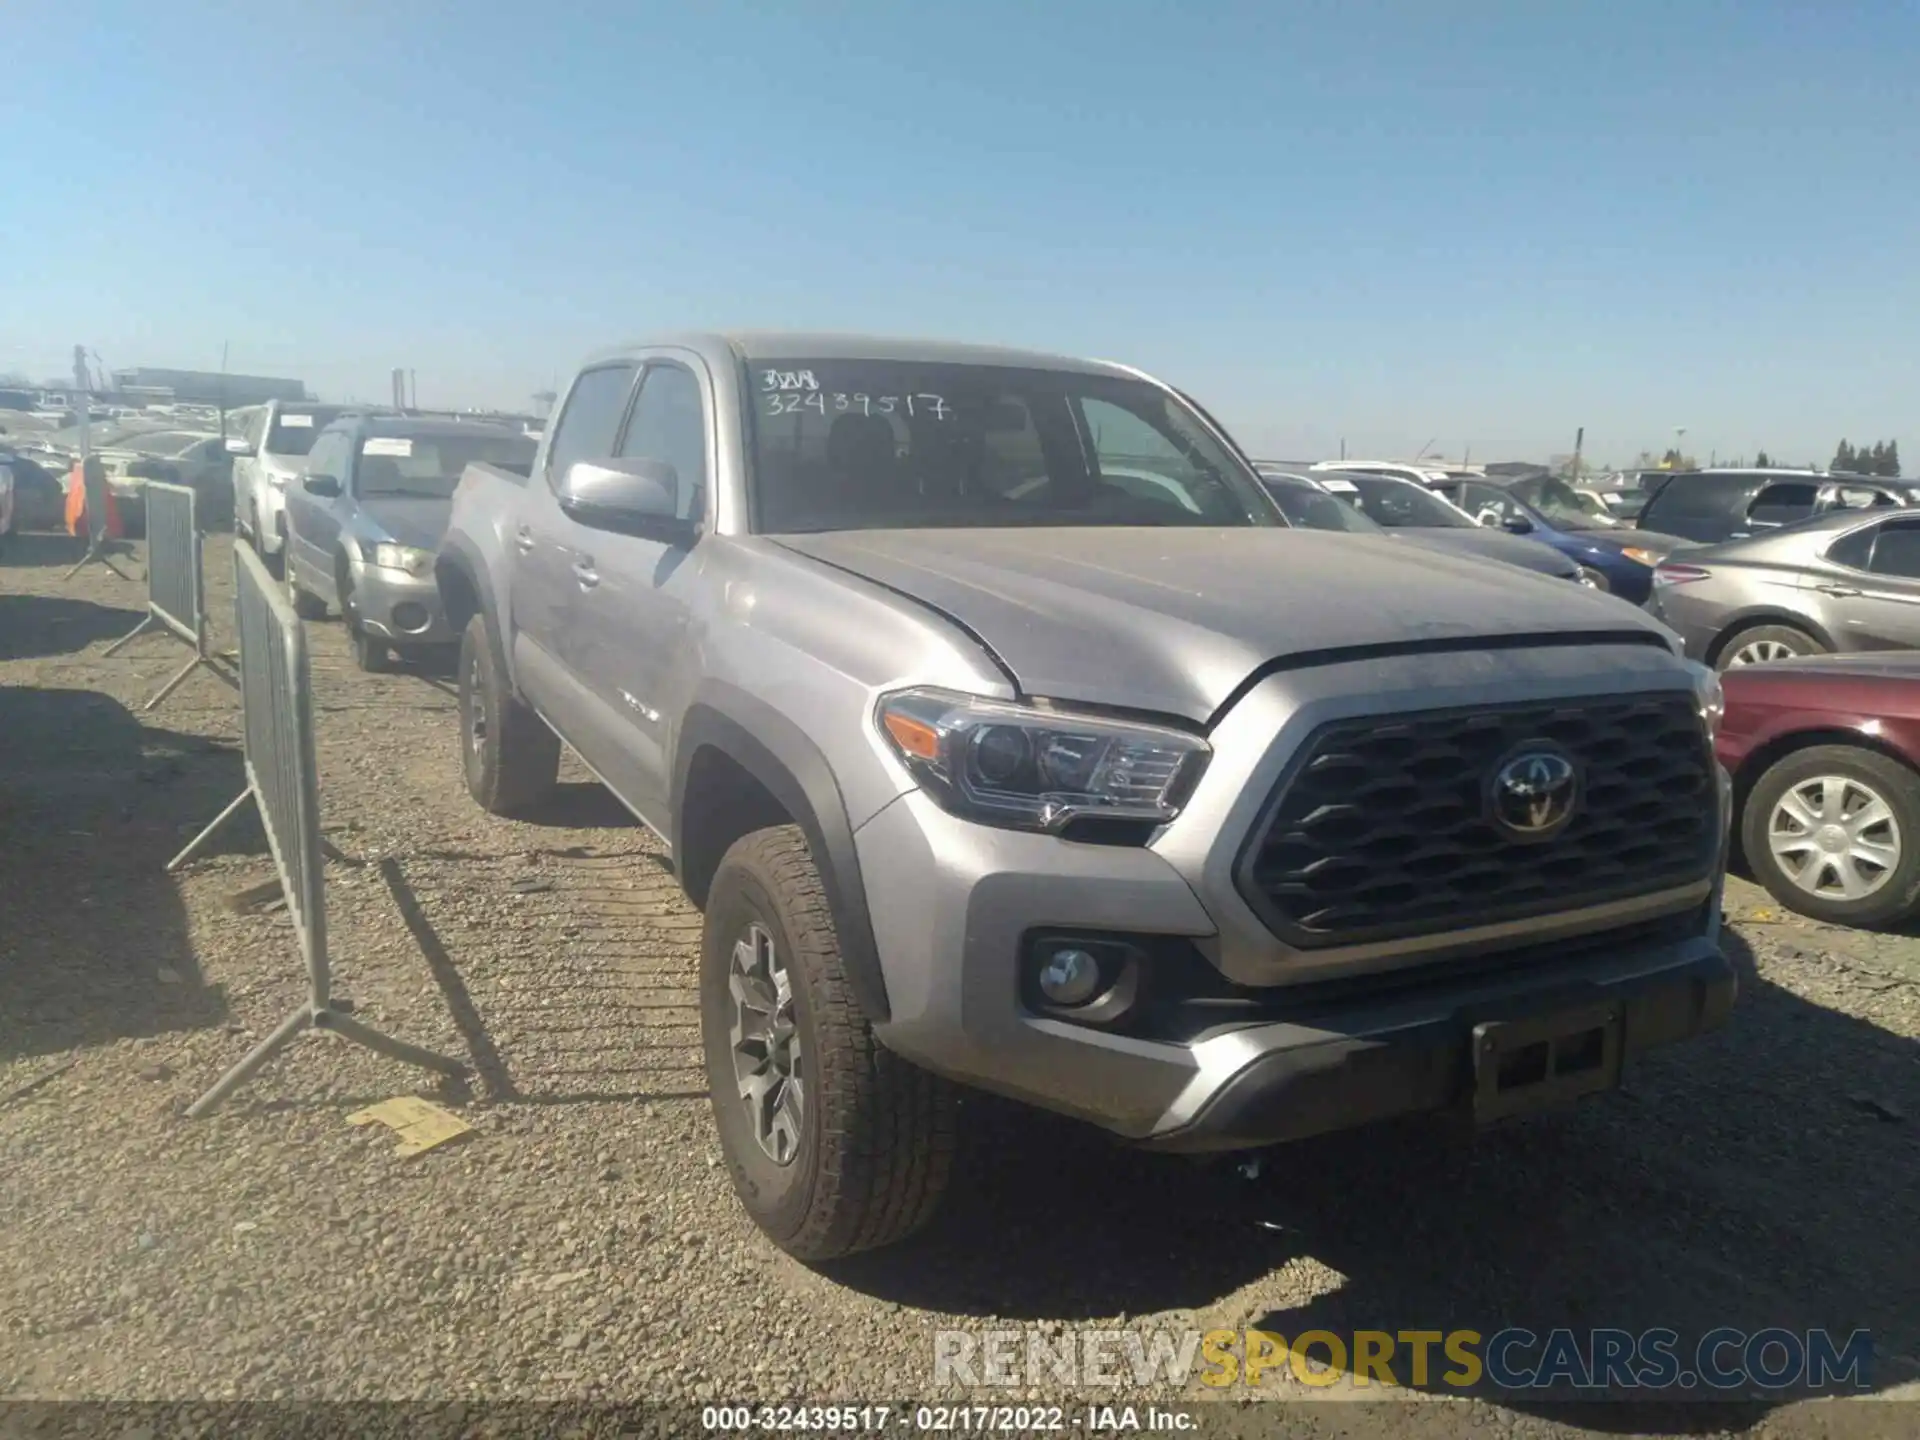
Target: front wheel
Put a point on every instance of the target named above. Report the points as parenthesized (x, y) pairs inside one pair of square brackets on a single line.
[(834, 1143), (1833, 831)]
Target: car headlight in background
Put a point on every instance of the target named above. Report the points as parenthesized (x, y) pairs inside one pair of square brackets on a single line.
[(1643, 556), (1027, 768), (1712, 697), (403, 557)]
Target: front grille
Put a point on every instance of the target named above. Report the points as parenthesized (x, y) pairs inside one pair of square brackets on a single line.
[(1380, 829)]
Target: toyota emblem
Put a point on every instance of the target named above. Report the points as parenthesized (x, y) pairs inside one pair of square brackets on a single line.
[(1534, 791)]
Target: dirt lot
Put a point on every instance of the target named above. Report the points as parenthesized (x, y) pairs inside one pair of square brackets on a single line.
[(584, 1242)]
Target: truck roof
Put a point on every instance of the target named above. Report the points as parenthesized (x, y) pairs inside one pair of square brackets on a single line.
[(753, 345)]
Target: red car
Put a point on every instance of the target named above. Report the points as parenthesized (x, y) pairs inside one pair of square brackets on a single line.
[(1825, 758)]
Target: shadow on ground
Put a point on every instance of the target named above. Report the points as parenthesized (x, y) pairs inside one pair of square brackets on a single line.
[(1742, 1180), (94, 944), (39, 627)]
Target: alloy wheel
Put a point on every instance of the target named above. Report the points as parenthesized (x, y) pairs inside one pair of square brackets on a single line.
[(1834, 837), (767, 1056), (1763, 652)]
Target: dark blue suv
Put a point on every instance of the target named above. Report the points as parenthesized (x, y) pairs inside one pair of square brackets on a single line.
[(1547, 509)]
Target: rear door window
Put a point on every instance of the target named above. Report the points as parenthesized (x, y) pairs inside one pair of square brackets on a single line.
[(1896, 550)]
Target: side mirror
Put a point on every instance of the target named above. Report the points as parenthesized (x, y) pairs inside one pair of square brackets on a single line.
[(325, 486), (1517, 525), (635, 496), (237, 445)]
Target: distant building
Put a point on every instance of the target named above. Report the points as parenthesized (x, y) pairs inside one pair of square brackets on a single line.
[(205, 387)]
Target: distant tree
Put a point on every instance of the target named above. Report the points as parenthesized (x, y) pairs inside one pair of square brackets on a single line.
[(1890, 460), (1761, 462), (1843, 460)]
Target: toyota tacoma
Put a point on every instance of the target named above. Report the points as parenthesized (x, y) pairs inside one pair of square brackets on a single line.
[(1008, 738)]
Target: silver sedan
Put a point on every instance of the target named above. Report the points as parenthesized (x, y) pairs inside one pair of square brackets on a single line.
[(1842, 581)]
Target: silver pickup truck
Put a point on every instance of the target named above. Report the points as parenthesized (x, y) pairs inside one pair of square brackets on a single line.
[(1008, 737)]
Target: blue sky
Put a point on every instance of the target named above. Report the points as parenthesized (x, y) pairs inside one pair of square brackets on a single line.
[(1479, 223)]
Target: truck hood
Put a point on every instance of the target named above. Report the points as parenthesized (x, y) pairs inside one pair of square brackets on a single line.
[(405, 521), (1174, 620), (1491, 545)]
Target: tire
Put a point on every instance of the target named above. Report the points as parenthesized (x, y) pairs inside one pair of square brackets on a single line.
[(513, 762), (872, 1148), (370, 653), (305, 603), (1799, 880), (1763, 643)]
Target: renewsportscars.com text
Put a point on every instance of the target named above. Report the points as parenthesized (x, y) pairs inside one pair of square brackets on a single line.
[(1597, 1361)]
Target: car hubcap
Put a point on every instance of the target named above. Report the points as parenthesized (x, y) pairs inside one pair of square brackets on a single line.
[(766, 1048), (1834, 838), (476, 709), (1762, 652)]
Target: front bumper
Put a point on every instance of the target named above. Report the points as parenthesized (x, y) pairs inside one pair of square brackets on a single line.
[(1309, 1042), (400, 608)]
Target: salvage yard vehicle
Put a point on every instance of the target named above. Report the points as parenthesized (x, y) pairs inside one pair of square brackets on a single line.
[(1825, 757), (364, 520), (191, 458), (1134, 804), (267, 458), (1845, 580), (1545, 509), (1710, 507), (1331, 502)]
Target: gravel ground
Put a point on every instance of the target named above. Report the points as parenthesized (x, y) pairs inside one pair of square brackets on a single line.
[(583, 1243)]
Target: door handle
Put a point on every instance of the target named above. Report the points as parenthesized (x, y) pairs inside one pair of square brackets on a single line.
[(1839, 592), (523, 540), (584, 572)]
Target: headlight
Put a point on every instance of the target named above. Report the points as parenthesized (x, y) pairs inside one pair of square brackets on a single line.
[(1643, 556), (403, 557), (1031, 769), (1713, 699)]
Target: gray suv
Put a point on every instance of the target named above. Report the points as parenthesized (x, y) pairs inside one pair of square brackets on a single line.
[(1008, 737)]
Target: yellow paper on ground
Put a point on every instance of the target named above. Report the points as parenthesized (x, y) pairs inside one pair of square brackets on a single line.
[(420, 1124)]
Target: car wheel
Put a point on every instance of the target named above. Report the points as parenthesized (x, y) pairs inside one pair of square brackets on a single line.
[(509, 757), (834, 1143), (305, 603), (1834, 832), (370, 653), (1764, 644)]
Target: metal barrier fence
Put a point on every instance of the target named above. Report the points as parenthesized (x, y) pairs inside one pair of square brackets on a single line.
[(276, 703), (176, 589)]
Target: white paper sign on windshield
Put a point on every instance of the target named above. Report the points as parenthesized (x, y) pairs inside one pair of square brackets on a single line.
[(297, 422), (1341, 487), (388, 445)]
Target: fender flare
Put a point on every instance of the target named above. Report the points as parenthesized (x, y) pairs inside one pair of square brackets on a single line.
[(778, 754), (460, 556)]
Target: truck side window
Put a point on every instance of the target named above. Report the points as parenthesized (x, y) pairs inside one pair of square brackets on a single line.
[(591, 420), (1782, 504), (669, 423), (1896, 550)]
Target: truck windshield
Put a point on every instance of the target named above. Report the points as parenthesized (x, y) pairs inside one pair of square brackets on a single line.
[(884, 444), (428, 467)]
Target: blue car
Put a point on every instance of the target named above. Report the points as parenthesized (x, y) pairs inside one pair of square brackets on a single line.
[(1547, 509)]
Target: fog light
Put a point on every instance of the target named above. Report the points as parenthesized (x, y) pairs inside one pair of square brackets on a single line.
[(409, 617), (1069, 976)]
